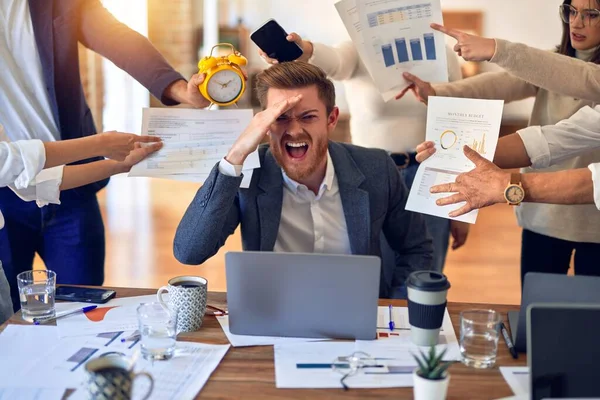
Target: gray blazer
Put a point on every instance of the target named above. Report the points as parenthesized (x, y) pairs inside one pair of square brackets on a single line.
[(373, 197)]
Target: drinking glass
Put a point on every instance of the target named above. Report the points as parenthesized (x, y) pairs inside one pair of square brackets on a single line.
[(36, 293), (158, 330), (479, 333)]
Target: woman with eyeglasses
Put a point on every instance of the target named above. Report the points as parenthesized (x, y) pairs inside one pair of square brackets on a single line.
[(561, 85)]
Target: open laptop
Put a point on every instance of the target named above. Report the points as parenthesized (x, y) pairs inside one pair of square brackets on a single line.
[(550, 288), (302, 295), (563, 350)]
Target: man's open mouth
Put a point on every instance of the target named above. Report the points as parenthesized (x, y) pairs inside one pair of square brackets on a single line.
[(296, 149)]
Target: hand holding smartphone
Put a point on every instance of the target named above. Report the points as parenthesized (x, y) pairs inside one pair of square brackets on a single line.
[(272, 39)]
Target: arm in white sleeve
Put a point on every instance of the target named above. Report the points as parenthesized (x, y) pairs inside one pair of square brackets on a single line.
[(595, 168), (551, 144), (44, 189), (226, 168), (20, 162), (339, 62)]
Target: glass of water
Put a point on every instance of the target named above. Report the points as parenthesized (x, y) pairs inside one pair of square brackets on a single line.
[(479, 333), (36, 292), (158, 330)]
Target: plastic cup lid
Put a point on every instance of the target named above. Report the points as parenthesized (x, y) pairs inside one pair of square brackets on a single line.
[(428, 281)]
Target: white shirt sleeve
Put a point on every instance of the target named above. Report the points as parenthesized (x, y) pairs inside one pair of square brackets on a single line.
[(21, 169), (226, 168), (595, 168), (551, 144), (44, 189)]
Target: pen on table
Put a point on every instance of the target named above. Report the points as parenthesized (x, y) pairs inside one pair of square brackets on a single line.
[(392, 325), (37, 321), (508, 341), (134, 336)]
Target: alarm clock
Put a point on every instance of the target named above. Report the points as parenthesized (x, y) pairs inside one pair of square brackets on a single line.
[(225, 82)]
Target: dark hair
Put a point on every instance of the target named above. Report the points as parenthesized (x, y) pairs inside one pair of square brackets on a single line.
[(566, 48), (295, 75)]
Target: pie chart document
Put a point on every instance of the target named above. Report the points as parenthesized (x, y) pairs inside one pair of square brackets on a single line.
[(453, 123)]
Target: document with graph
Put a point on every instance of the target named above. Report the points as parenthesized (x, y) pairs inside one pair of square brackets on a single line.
[(453, 123), (194, 141), (394, 36)]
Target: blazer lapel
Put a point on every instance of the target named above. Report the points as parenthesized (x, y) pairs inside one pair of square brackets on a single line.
[(269, 202), (42, 18), (355, 200)]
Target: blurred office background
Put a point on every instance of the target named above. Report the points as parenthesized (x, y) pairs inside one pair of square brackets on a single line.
[(141, 215)]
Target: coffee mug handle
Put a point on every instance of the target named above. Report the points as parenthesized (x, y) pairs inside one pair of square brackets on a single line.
[(159, 296), (147, 375)]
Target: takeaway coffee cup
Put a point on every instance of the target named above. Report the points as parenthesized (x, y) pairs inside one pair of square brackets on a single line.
[(427, 292)]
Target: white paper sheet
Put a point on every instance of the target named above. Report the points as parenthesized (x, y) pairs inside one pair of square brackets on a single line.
[(451, 124), (180, 378), (517, 378), (194, 141), (399, 342), (117, 315), (31, 393), (394, 36), (289, 359), (248, 340)]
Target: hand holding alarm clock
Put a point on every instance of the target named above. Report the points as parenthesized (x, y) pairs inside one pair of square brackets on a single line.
[(225, 81)]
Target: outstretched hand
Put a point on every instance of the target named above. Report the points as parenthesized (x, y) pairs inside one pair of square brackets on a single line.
[(481, 187), (469, 47)]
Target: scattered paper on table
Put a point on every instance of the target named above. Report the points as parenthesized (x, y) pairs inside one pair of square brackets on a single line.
[(116, 315), (399, 340), (31, 393), (451, 124), (395, 36), (517, 378), (193, 142), (308, 365), (250, 340)]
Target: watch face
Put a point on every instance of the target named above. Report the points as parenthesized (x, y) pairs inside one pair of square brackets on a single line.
[(224, 86), (514, 194)]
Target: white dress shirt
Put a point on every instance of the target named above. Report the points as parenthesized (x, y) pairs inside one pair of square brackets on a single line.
[(309, 223), (25, 108), (21, 169), (552, 144)]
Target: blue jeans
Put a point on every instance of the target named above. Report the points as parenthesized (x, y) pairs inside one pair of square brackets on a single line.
[(68, 237), (438, 228)]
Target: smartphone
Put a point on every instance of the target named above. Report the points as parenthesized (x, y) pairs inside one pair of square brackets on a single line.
[(271, 38), (87, 295)]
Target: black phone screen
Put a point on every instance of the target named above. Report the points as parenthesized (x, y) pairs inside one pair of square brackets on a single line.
[(88, 295), (271, 38)]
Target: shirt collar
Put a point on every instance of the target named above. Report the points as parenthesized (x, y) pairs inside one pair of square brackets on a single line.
[(326, 184)]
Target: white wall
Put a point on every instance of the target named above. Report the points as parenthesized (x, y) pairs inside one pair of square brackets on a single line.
[(533, 22)]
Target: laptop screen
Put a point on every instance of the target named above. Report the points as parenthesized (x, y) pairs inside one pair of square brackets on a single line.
[(564, 351)]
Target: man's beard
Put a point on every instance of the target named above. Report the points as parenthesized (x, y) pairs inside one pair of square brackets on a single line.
[(317, 152)]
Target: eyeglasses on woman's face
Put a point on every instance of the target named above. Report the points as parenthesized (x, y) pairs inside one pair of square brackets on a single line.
[(569, 14)]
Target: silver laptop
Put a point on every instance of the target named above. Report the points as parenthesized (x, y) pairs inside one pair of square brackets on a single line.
[(562, 350), (550, 288), (302, 295)]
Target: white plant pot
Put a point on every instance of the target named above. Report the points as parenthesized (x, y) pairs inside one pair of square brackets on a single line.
[(426, 389)]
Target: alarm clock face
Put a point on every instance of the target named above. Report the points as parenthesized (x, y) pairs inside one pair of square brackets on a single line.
[(224, 86)]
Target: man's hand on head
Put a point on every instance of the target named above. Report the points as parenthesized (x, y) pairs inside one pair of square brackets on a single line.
[(257, 130)]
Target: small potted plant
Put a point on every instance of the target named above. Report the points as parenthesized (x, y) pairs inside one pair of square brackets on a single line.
[(431, 377)]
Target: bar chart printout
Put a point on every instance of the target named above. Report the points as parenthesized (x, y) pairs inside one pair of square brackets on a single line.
[(402, 51), (429, 46), (415, 48), (388, 55)]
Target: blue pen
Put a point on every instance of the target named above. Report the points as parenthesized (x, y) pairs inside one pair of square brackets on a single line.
[(392, 325), (37, 321)]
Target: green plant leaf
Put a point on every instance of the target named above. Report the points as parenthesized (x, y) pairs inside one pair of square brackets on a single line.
[(422, 366), (438, 359), (438, 372)]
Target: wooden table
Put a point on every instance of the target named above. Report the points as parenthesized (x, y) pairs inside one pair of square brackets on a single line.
[(249, 372)]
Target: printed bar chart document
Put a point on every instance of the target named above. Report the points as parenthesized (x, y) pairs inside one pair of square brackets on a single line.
[(394, 36), (451, 124), (194, 141)]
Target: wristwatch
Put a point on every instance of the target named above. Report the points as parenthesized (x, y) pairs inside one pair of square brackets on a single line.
[(514, 193)]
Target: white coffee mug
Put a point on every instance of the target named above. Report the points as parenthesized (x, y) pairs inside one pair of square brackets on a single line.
[(187, 294)]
